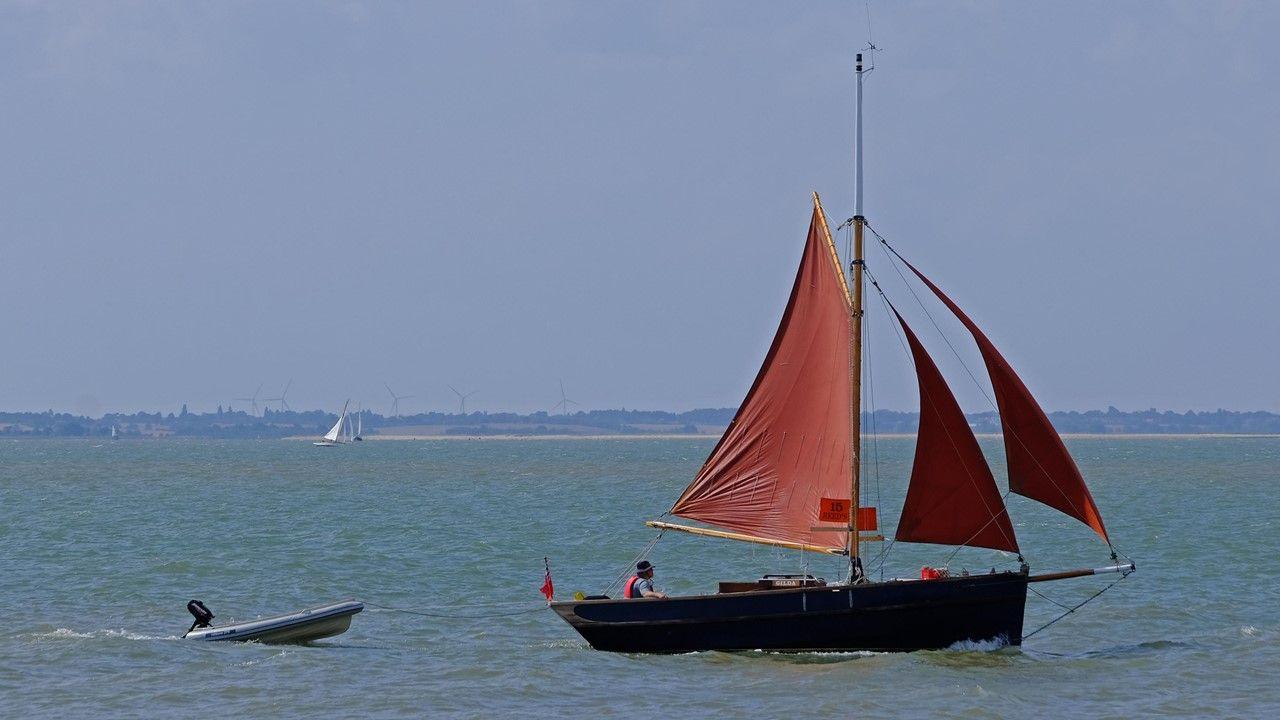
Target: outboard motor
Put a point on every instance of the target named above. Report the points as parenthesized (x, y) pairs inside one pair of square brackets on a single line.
[(201, 613)]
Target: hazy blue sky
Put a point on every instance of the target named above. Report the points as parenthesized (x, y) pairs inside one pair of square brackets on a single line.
[(198, 198)]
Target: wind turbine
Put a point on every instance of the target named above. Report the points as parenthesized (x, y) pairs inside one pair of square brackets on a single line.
[(564, 403), (284, 404), (462, 399), (395, 400), (253, 401)]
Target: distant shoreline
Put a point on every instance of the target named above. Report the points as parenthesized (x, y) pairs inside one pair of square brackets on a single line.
[(613, 424), (507, 437), (885, 436)]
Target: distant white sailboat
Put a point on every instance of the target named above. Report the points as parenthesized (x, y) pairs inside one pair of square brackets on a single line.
[(335, 435), (359, 426), (115, 435)]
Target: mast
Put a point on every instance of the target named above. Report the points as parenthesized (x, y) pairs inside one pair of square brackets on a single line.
[(855, 340)]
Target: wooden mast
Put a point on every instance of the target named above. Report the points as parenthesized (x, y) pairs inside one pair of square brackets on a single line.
[(855, 341)]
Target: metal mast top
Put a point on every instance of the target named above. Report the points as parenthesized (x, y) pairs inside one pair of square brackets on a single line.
[(857, 147), (855, 354)]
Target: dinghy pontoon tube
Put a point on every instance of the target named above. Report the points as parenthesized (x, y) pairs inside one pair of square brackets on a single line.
[(301, 626)]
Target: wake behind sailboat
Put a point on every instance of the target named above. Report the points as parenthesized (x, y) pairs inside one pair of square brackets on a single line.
[(787, 473)]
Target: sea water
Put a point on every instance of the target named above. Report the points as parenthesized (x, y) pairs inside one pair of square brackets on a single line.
[(104, 543)]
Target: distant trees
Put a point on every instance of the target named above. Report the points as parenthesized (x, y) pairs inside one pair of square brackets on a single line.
[(226, 423)]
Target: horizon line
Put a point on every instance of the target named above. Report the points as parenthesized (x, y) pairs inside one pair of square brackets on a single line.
[(229, 410)]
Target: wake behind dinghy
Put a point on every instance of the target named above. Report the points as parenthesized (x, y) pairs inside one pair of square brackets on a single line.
[(298, 627)]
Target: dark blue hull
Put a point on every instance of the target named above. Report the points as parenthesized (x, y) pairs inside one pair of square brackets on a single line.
[(887, 616)]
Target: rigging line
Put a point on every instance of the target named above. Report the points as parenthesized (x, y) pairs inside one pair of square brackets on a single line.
[(950, 557), (863, 400), (885, 244), (992, 516), (885, 301), (875, 433), (848, 239), (870, 43), (1078, 606), (455, 616), (643, 554), (969, 372), (617, 582), (892, 253), (883, 556), (1048, 599), (618, 534)]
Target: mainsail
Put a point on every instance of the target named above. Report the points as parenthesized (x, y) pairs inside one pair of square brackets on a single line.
[(952, 498), (1039, 465), (789, 443), (336, 430)]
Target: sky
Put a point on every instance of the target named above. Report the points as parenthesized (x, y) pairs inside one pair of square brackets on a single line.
[(201, 198)]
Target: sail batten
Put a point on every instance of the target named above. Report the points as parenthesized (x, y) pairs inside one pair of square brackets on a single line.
[(786, 447), (952, 497), (1039, 465)]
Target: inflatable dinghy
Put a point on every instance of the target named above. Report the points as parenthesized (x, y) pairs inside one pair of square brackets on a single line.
[(298, 627)]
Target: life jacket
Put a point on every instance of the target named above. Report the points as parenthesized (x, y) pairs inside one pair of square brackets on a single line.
[(629, 590)]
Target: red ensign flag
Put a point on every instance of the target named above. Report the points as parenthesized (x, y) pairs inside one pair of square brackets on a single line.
[(548, 589)]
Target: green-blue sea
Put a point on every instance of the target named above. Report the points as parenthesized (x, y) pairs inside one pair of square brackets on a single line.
[(105, 542)]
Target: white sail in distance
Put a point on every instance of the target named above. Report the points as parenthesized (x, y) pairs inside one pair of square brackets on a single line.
[(336, 431)]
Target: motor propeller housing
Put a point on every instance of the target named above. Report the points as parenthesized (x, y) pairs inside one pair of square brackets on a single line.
[(202, 614)]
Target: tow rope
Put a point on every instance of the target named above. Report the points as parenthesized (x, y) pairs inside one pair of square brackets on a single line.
[(454, 616)]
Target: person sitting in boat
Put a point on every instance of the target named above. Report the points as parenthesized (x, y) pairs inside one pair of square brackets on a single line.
[(641, 584)]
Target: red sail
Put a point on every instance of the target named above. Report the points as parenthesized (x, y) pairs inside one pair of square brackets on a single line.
[(788, 446), (952, 498), (1039, 465)]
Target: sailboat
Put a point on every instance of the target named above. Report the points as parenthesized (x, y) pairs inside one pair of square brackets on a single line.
[(336, 435), (787, 473), (359, 436)]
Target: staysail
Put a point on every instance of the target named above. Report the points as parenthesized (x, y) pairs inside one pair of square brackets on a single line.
[(1039, 465), (952, 498), (789, 443)]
